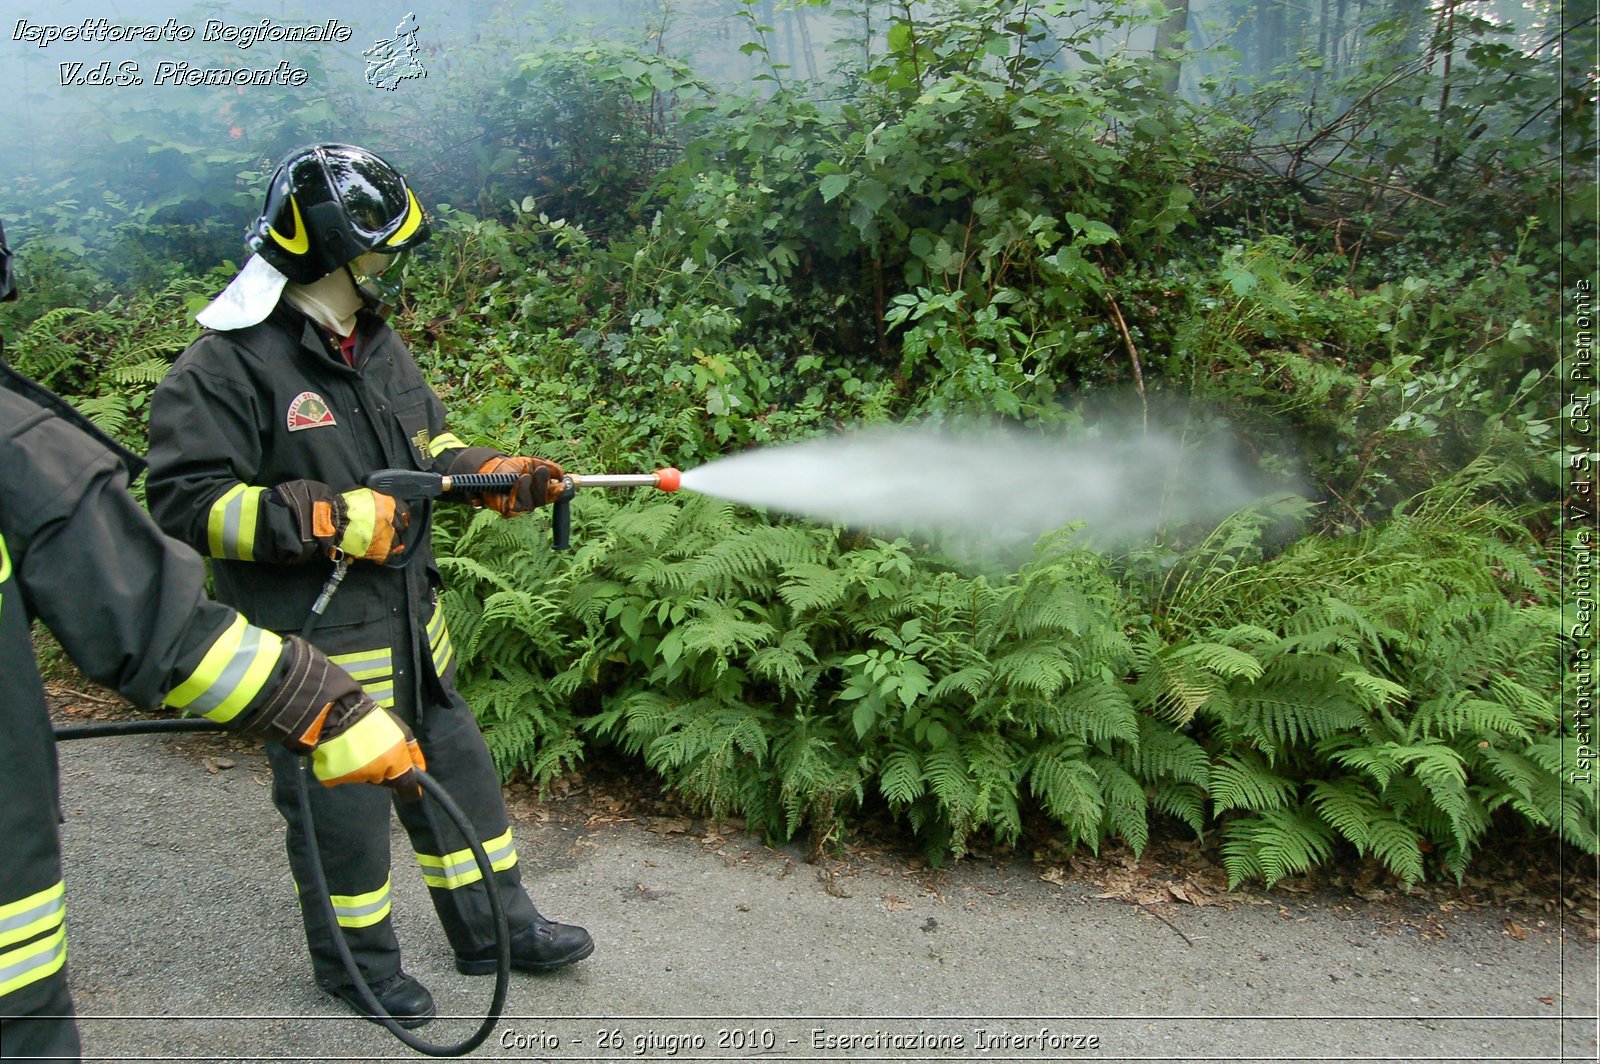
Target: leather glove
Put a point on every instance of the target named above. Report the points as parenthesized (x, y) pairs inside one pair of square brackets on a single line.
[(361, 523), (361, 742), (318, 708), (523, 498)]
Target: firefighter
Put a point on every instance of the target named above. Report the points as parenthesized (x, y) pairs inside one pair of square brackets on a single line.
[(129, 606), (261, 436)]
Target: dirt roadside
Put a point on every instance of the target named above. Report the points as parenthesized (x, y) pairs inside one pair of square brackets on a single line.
[(185, 943)]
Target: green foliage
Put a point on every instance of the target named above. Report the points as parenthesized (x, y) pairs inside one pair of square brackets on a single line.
[(107, 361), (994, 212)]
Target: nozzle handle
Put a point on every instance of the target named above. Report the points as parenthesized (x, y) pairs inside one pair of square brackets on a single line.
[(413, 484), (561, 516)]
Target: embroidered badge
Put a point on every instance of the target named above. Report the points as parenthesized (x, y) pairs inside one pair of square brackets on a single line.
[(308, 411)]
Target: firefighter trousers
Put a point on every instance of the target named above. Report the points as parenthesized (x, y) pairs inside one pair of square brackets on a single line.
[(38, 1023), (352, 828)]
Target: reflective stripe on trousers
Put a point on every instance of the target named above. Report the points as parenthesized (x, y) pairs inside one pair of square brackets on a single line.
[(459, 869), (38, 922)]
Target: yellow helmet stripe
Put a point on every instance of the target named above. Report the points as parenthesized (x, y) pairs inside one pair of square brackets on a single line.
[(300, 242), (413, 219)]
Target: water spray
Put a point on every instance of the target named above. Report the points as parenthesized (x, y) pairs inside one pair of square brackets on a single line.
[(983, 493)]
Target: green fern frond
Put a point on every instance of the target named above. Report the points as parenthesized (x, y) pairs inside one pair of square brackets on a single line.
[(1174, 688), (1374, 691), (1126, 806), (1462, 714), (647, 525), (1398, 846), (1278, 843), (554, 758), (1164, 753), (1098, 711), (459, 569), (150, 371), (1245, 783), (1185, 801), (974, 681), (949, 782), (813, 586), (1349, 806), (789, 663), (1069, 789), (900, 778), (109, 412), (1226, 661), (1042, 669)]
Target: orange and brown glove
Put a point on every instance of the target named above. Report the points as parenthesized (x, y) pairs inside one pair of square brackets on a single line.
[(361, 523), (525, 497), (317, 708)]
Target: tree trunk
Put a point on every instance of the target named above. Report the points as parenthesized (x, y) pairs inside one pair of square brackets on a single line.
[(1172, 27)]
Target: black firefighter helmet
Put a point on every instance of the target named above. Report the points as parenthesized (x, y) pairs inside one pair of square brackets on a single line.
[(329, 204)]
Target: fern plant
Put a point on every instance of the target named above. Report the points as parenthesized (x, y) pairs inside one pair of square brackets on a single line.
[(107, 361), (1393, 689)]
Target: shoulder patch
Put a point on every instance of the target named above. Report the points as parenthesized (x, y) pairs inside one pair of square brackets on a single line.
[(309, 411)]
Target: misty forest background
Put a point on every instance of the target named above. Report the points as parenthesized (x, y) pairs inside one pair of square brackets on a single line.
[(1345, 231)]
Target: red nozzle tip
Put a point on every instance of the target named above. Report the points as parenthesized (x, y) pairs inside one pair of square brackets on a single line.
[(668, 479)]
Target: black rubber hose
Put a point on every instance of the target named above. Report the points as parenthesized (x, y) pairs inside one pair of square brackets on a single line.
[(320, 883), (502, 934)]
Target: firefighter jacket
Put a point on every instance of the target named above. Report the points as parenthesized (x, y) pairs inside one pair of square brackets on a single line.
[(247, 409), (129, 606)]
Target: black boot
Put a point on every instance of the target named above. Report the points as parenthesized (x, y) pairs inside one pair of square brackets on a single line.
[(540, 947), (401, 996)]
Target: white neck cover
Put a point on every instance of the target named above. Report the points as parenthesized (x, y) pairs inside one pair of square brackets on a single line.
[(331, 302)]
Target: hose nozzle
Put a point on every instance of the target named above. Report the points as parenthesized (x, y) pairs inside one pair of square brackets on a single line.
[(667, 479)]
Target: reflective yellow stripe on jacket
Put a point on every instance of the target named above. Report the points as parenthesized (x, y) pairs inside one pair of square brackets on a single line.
[(445, 441), (231, 524), (439, 647), (25, 920), (231, 674), (459, 869)]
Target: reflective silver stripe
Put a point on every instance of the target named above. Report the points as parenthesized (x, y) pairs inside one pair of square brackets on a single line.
[(460, 869), (233, 671), (361, 910), (231, 526), (365, 664), (373, 670), (439, 644), (35, 961), (232, 674), (35, 915)]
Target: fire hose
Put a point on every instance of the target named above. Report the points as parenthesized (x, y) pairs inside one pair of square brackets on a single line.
[(412, 486)]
